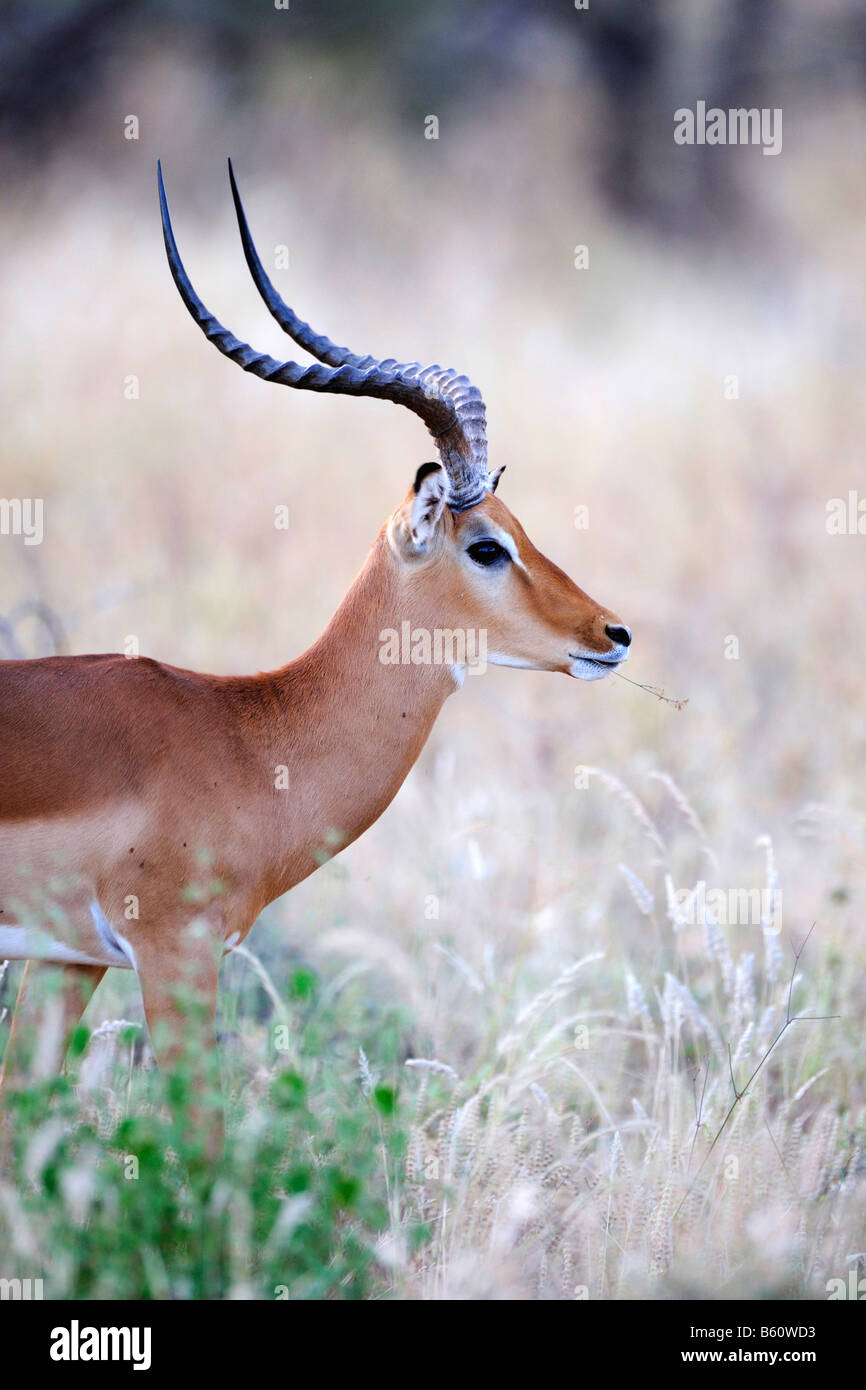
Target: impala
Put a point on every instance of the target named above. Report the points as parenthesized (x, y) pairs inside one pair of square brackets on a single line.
[(118, 775)]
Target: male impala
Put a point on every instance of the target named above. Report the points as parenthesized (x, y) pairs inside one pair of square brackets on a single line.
[(117, 776)]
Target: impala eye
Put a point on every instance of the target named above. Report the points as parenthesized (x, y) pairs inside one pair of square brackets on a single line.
[(487, 553)]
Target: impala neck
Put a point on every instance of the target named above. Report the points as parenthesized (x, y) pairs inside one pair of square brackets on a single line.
[(351, 726)]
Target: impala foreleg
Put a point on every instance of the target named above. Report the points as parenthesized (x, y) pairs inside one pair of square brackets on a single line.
[(179, 991), (41, 1041), (38, 1040)]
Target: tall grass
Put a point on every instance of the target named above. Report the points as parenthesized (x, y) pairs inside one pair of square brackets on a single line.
[(109, 1192)]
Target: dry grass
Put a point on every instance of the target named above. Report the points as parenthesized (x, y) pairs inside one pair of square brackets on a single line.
[(582, 1039)]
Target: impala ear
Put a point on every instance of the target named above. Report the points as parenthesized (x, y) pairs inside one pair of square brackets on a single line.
[(428, 504), (494, 478), (413, 526)]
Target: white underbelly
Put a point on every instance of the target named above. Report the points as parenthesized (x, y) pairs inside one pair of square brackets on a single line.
[(105, 945), (99, 945)]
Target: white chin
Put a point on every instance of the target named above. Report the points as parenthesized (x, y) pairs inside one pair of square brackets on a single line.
[(591, 670)]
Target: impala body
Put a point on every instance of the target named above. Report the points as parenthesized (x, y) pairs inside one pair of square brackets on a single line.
[(148, 814)]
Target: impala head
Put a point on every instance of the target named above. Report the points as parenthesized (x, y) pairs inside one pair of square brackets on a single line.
[(465, 554), (480, 570)]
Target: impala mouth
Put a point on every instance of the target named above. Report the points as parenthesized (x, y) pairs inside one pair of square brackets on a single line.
[(594, 668)]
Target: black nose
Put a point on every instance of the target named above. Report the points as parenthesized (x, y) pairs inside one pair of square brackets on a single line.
[(619, 634)]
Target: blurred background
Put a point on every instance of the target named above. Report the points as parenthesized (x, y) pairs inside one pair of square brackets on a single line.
[(693, 379)]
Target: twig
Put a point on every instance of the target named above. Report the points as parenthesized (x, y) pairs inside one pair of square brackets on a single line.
[(739, 1094), (654, 690)]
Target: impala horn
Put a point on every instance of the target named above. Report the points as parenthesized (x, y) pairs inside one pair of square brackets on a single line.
[(450, 406)]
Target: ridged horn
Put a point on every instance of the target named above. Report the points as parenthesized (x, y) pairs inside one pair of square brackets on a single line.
[(450, 406)]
